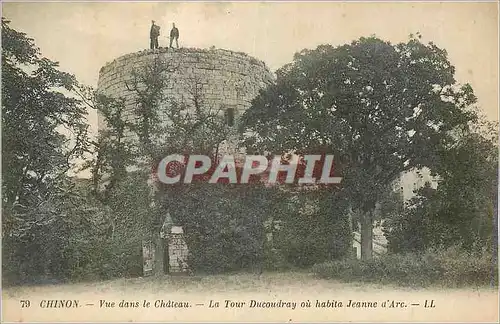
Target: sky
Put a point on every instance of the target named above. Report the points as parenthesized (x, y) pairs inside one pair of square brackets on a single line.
[(83, 37)]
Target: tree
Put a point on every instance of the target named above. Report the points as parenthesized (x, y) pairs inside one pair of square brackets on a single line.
[(43, 133), (460, 212), (111, 152), (382, 109)]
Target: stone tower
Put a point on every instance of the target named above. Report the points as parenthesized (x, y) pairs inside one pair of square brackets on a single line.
[(227, 81)]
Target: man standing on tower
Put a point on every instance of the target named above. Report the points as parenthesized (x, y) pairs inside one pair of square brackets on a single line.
[(154, 33), (174, 34)]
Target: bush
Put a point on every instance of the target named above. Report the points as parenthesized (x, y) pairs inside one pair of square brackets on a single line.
[(223, 225), (320, 235), (232, 249), (274, 260), (105, 258), (304, 246), (451, 267)]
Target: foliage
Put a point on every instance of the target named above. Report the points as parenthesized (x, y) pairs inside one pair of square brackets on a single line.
[(315, 229), (43, 133), (110, 245), (223, 225), (461, 210), (35, 153), (451, 267), (112, 152), (380, 108)]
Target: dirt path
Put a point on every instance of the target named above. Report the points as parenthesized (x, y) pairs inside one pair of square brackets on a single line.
[(269, 298)]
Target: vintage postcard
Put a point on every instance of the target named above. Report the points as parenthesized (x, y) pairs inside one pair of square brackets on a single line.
[(249, 161)]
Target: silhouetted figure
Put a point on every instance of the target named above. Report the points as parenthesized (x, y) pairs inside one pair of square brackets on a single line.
[(174, 34), (154, 34)]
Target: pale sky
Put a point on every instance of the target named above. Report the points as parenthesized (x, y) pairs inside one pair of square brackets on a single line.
[(85, 36)]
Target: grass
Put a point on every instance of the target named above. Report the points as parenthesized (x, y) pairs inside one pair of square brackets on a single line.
[(451, 268), (239, 282)]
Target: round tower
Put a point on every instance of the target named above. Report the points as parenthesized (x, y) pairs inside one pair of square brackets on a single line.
[(227, 81)]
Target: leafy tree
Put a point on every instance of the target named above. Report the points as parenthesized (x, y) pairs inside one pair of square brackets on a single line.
[(111, 152), (460, 212), (43, 133), (380, 108)]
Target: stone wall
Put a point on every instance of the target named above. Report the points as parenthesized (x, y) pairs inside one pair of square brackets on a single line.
[(225, 79)]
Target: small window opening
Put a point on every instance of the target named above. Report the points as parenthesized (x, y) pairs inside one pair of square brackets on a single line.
[(230, 117)]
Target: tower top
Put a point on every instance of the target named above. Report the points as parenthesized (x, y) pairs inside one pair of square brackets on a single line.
[(177, 53)]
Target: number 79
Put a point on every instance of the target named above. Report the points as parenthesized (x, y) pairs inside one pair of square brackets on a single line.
[(25, 303)]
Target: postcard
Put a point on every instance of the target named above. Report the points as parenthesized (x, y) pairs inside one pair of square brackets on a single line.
[(249, 161)]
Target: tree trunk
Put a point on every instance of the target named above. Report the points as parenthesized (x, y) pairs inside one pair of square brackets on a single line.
[(353, 253), (166, 254), (157, 239), (366, 236)]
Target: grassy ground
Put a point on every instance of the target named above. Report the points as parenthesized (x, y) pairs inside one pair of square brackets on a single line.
[(472, 304)]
